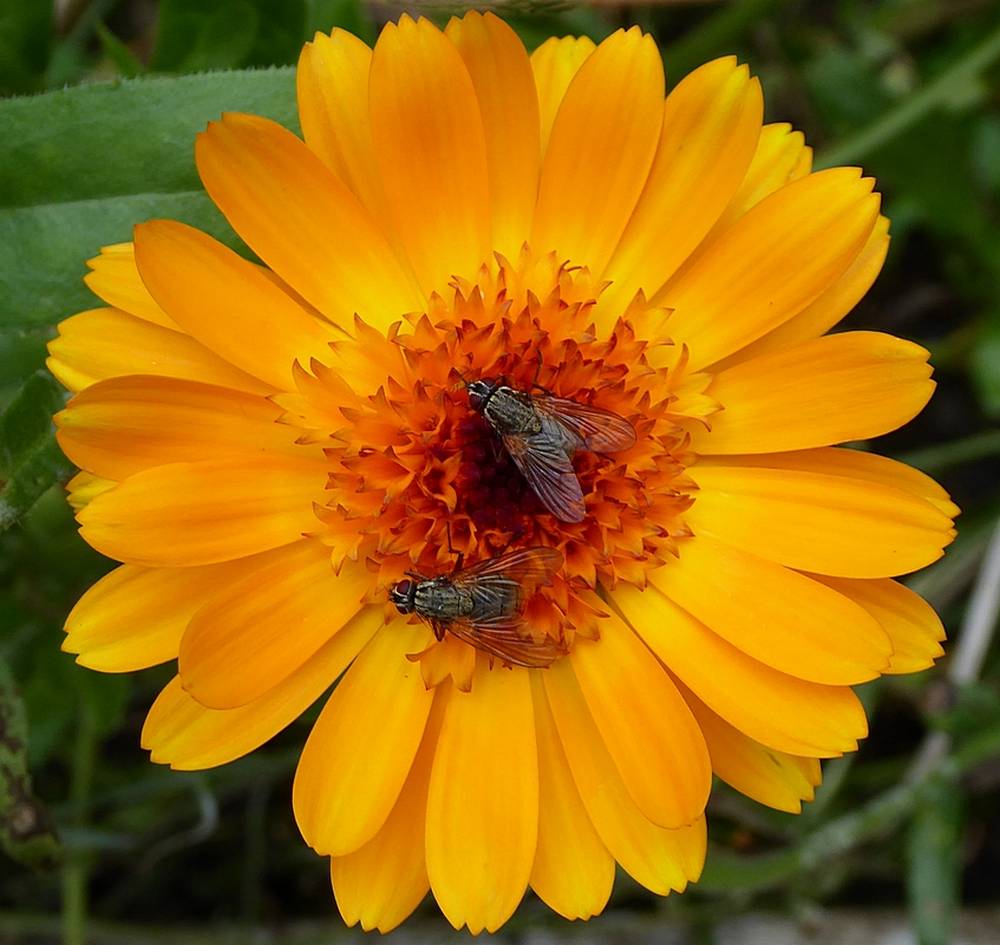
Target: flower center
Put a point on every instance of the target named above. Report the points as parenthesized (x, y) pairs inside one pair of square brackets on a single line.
[(417, 475)]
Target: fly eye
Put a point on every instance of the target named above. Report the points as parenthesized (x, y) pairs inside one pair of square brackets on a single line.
[(403, 588)]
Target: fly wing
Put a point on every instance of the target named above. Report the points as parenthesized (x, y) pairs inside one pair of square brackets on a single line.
[(499, 637), (601, 431), (501, 586), (529, 567), (545, 463)]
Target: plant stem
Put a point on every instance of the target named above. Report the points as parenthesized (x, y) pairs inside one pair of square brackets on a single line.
[(914, 107), (942, 456), (76, 867)]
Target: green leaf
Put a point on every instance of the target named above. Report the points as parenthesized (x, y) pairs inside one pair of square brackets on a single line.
[(984, 367), (25, 38), (934, 860), (30, 459), (79, 167), (193, 35), (25, 828), (323, 15)]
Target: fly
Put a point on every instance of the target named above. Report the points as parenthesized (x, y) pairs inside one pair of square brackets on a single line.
[(484, 605), (541, 433)]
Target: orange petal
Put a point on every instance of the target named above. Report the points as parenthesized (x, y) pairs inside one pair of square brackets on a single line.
[(134, 617), (84, 487), (602, 145), (123, 425), (780, 711), (104, 342), (201, 513), (778, 616), (331, 83), (554, 65), (781, 157), (303, 221), (710, 128), (911, 623), (645, 724), (431, 151), (380, 884), (849, 386), (187, 736), (829, 307), (854, 464), (812, 521), (770, 264), (770, 777), (659, 859), (482, 808), (573, 872), (255, 632), (361, 748), (223, 300), (114, 278), (505, 88)]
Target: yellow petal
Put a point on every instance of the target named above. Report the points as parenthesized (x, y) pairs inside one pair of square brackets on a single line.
[(853, 464), (849, 386), (201, 513), (122, 425), (482, 808), (778, 616), (813, 521), (187, 736), (331, 83), (659, 859), (84, 487), (554, 64), (255, 632), (134, 617), (780, 711), (645, 724), (827, 309), (380, 884), (114, 278), (363, 744), (431, 151), (770, 264), (303, 221), (223, 301), (770, 777), (105, 342), (573, 872), (505, 88), (602, 145), (911, 623), (710, 128), (780, 158)]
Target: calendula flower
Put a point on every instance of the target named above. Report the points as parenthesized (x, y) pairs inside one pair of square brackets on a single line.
[(269, 447)]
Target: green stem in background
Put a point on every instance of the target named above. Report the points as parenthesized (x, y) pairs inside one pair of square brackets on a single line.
[(726, 871), (915, 107), (76, 868), (941, 456)]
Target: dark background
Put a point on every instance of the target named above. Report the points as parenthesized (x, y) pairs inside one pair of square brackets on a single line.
[(906, 830)]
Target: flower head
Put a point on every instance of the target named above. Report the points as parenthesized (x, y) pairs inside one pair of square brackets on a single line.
[(269, 448)]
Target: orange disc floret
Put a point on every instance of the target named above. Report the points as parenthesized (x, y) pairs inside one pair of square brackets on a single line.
[(417, 476)]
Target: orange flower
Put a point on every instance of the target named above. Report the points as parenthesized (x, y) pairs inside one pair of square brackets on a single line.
[(268, 448)]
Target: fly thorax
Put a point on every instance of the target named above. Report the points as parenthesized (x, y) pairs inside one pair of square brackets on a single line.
[(511, 412)]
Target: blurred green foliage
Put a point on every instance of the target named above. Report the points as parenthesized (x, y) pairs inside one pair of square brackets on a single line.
[(908, 88)]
